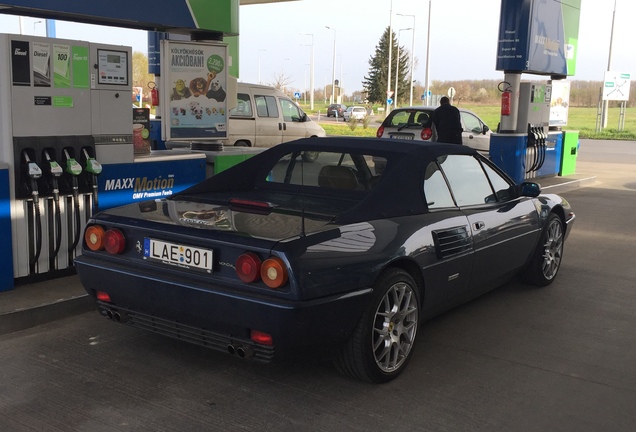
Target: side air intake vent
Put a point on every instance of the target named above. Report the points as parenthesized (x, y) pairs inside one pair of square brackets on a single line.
[(452, 242)]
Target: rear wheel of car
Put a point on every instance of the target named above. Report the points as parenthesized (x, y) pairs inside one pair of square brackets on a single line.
[(546, 260), (382, 343), (241, 143)]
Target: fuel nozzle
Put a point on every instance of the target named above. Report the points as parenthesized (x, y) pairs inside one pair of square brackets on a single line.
[(54, 170), (72, 166), (94, 168), (33, 172)]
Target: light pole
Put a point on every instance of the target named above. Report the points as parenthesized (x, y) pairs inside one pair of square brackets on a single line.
[(397, 66), (37, 22), (388, 80), (333, 73), (259, 65), (311, 72), (412, 59), (609, 67), (428, 54)]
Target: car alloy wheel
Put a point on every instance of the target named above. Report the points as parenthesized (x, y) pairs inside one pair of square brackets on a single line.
[(382, 344), (395, 327), (546, 261), (552, 249)]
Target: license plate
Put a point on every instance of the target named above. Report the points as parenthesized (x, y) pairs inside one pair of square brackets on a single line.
[(408, 137), (178, 255)]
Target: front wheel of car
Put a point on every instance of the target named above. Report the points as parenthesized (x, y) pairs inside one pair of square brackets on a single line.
[(546, 261), (382, 343)]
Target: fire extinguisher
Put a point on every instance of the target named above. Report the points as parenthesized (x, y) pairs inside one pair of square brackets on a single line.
[(154, 93), (506, 94)]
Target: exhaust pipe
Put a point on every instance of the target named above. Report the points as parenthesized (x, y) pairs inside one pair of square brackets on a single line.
[(109, 314), (245, 352), (231, 349), (117, 316)]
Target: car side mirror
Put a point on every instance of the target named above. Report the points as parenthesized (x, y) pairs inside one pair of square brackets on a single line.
[(529, 189), (485, 129)]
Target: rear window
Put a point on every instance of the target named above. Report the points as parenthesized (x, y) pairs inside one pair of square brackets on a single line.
[(344, 171), (401, 118), (243, 106)]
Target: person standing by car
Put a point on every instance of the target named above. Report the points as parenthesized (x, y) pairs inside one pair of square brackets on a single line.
[(447, 121)]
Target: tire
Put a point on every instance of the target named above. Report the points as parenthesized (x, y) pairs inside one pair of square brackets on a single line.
[(241, 143), (310, 156), (382, 343), (546, 260)]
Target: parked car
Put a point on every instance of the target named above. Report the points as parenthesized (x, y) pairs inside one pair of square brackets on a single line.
[(356, 112), (336, 109), (265, 117), (415, 123), (275, 257)]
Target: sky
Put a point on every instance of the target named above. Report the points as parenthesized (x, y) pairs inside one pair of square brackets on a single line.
[(276, 38)]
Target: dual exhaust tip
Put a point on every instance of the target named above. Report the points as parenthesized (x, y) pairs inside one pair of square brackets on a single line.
[(240, 350), (116, 316)]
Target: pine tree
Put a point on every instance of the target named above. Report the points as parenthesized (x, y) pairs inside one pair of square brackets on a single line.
[(376, 83)]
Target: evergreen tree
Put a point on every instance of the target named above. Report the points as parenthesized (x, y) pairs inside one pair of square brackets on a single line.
[(376, 83)]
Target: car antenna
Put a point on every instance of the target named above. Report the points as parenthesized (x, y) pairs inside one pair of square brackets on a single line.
[(302, 195)]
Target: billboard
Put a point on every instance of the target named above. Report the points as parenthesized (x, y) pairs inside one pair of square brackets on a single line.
[(538, 36)]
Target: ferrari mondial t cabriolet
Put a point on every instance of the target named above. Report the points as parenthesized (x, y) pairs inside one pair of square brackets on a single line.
[(343, 256)]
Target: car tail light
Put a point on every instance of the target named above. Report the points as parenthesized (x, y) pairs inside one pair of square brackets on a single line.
[(426, 134), (274, 272), (248, 267), (261, 338), (114, 241), (103, 296), (380, 132), (94, 237)]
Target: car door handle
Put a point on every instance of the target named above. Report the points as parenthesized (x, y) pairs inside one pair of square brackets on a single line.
[(479, 225), (280, 126)]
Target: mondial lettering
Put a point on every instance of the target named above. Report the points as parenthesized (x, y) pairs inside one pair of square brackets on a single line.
[(145, 184)]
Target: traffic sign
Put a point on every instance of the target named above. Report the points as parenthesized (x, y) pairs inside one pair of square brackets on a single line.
[(616, 86), (297, 95), (389, 93), (389, 101), (451, 92)]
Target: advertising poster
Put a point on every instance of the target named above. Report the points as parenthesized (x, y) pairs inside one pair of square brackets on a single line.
[(195, 89), (41, 64), (560, 103), (141, 130)]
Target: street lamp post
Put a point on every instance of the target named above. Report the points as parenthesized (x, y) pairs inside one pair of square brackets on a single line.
[(397, 66), (311, 72), (37, 22), (605, 107), (428, 54), (259, 65), (412, 59), (333, 72), (388, 80)]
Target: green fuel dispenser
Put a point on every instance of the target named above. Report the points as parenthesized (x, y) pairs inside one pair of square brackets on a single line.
[(74, 169), (94, 168), (570, 152)]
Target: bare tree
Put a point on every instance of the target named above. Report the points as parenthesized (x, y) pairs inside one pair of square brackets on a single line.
[(281, 81)]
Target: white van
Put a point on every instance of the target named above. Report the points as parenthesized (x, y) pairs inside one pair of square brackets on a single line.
[(265, 117)]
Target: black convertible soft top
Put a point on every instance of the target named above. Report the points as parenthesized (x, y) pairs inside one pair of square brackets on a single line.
[(399, 193)]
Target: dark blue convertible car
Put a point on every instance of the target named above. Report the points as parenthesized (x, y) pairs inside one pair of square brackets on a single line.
[(343, 256)]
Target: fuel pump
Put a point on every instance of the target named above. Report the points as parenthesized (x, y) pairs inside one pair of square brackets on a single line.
[(53, 172), (93, 168), (74, 169), (33, 173)]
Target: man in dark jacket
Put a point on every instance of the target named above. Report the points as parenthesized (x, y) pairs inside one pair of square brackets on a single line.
[(447, 121)]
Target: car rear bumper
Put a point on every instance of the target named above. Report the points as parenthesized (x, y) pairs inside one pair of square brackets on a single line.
[(220, 318)]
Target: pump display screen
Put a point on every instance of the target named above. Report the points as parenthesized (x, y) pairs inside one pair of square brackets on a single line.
[(112, 67)]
